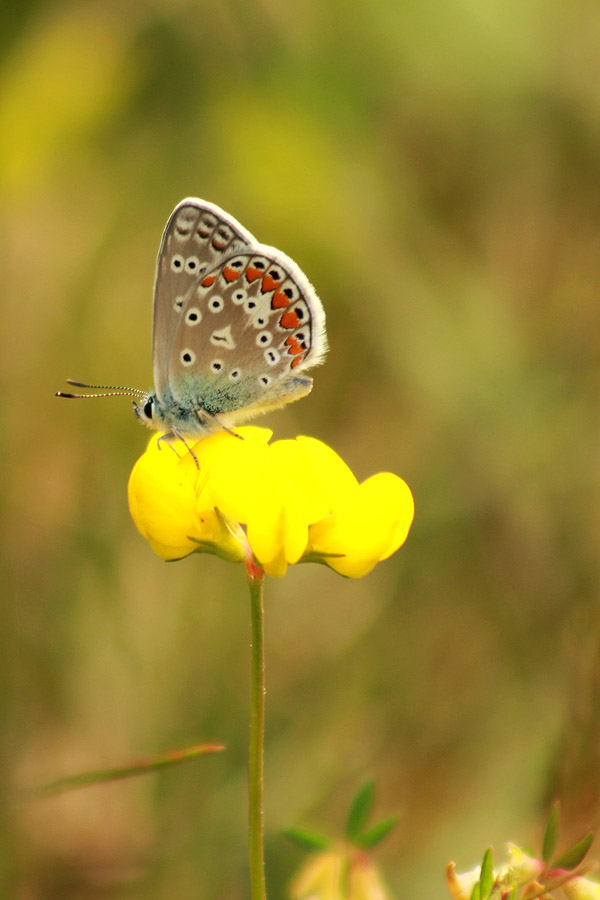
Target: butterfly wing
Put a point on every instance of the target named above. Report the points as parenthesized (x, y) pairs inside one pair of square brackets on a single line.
[(197, 237), (247, 330)]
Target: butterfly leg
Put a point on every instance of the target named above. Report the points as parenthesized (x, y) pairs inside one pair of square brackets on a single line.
[(203, 413), (180, 437)]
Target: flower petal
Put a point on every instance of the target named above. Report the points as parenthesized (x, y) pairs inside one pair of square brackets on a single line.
[(579, 888), (367, 525), (330, 477), (391, 500), (162, 502)]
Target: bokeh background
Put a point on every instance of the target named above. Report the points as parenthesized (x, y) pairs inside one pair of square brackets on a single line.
[(433, 165)]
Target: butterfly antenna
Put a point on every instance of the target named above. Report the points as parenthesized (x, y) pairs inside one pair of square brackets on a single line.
[(107, 391)]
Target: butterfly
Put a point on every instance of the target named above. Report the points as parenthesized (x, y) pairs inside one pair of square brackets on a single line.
[(236, 325)]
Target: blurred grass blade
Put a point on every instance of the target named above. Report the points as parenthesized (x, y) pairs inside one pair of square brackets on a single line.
[(145, 767), (486, 879), (377, 833), (571, 858), (307, 840), (360, 810), (551, 834)]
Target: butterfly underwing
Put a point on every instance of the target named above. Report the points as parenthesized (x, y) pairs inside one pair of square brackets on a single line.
[(236, 326)]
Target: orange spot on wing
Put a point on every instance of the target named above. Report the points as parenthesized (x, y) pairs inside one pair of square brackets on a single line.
[(210, 279), (218, 245), (295, 362), (269, 284), (289, 319), (294, 347), (230, 274), (252, 274), (279, 300)]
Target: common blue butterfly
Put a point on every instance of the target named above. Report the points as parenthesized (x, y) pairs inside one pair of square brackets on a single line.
[(236, 325)]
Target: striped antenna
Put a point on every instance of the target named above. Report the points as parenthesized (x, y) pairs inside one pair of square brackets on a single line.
[(107, 391)]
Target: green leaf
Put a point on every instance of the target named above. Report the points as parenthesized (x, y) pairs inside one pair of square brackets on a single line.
[(376, 834), (476, 892), (571, 858), (145, 767), (307, 840), (551, 834), (360, 810), (513, 892), (486, 879)]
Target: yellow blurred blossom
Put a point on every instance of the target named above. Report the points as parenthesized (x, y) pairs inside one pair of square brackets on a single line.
[(340, 874), (279, 503), (579, 888), (461, 886), (522, 866)]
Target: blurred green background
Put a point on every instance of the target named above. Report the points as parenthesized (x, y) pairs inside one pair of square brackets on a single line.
[(433, 166)]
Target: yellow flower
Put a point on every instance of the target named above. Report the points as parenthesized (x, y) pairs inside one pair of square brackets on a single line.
[(579, 888), (523, 867), (321, 877), (461, 886), (340, 874), (279, 503)]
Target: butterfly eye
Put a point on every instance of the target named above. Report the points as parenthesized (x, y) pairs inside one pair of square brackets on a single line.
[(148, 409)]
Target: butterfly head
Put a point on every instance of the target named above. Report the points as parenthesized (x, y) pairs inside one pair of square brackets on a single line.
[(146, 410)]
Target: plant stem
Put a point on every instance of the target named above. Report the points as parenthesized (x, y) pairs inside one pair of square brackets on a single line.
[(256, 578)]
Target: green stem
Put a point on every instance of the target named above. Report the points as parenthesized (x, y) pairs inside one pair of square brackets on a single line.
[(256, 579)]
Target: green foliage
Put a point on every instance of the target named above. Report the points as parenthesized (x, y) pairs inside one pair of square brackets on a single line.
[(376, 834), (118, 773), (357, 833), (571, 858), (307, 840), (486, 879), (528, 877), (360, 810), (551, 834)]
